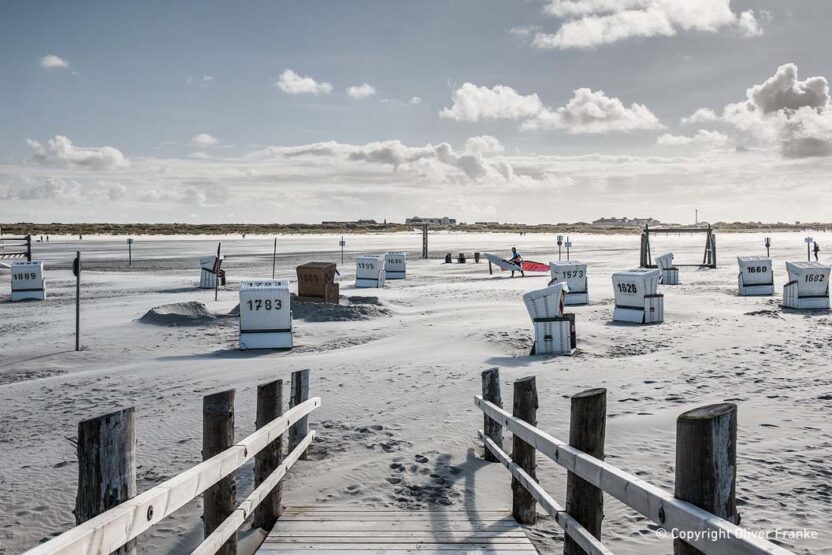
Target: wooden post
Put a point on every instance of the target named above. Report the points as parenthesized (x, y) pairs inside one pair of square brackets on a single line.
[(77, 270), (491, 393), (106, 466), (219, 501), (274, 258), (269, 407), (587, 429), (706, 463), (300, 393), (524, 506)]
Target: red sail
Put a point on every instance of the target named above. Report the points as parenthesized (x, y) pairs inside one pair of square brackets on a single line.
[(530, 266)]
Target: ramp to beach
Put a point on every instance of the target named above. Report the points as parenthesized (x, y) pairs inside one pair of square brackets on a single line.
[(351, 530)]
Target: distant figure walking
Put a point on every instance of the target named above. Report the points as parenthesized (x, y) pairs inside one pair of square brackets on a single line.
[(816, 250), (517, 260)]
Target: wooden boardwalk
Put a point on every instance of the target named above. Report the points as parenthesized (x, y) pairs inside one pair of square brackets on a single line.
[(350, 530)]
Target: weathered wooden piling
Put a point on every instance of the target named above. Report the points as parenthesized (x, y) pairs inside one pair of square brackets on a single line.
[(220, 500), (491, 393), (706, 463), (300, 393), (587, 430), (269, 407), (524, 506), (106, 466)]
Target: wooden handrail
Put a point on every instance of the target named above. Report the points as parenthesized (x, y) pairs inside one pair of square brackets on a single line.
[(654, 503), (589, 543), (230, 525), (110, 530)]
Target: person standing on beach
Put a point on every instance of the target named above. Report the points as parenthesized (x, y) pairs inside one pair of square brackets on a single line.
[(816, 250), (517, 260)]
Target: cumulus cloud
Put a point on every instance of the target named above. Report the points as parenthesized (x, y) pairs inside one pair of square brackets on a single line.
[(701, 115), (360, 92), (783, 112), (591, 111), (51, 61), (59, 151), (592, 23), (483, 144), (703, 137), (292, 83), (587, 111), (473, 103), (784, 91), (432, 160), (204, 139), (416, 100)]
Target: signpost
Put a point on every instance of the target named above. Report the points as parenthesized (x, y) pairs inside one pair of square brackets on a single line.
[(217, 272), (808, 241), (130, 252), (274, 257), (560, 242), (76, 270), (342, 244), (568, 246), (768, 246)]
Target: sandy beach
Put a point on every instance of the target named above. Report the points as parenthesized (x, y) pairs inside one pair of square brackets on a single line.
[(398, 426)]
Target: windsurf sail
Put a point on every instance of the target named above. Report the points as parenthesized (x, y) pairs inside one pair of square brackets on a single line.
[(526, 265), (501, 263), (531, 266)]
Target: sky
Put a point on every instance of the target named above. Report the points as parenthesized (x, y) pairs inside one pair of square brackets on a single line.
[(533, 111)]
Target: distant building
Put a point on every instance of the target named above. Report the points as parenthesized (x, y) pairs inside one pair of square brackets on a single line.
[(416, 220), (358, 222), (625, 222)]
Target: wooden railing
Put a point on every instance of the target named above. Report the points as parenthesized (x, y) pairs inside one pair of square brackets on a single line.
[(705, 473), (115, 529)]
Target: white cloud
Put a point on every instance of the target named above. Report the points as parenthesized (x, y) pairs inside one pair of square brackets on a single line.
[(59, 151), (51, 61), (591, 111), (416, 100), (587, 111), (703, 137), (439, 162), (748, 25), (483, 144), (783, 91), (592, 23), (473, 103), (360, 92), (204, 139), (701, 115), (292, 83), (783, 112)]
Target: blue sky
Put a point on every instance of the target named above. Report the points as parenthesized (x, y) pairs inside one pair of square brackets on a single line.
[(156, 111)]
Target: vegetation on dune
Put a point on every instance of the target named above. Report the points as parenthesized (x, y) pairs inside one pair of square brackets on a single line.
[(19, 229)]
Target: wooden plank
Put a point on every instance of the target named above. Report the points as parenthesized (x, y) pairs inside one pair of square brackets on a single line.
[(654, 503), (285, 534), (401, 525), (350, 530), (112, 529), (294, 550)]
